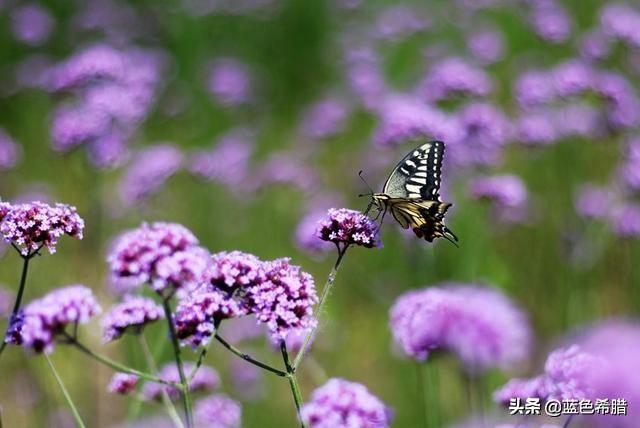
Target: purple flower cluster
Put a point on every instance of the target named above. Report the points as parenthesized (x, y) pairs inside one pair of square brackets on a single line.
[(284, 300), (206, 379), (10, 151), (31, 24), (122, 383), (619, 21), (229, 82), (340, 403), (228, 161), (507, 194), (325, 119), (550, 21), (568, 375), (136, 254), (148, 172), (454, 77), (347, 227), (279, 294), (480, 325), (405, 118), (133, 314), (31, 225), (41, 320), (217, 411), (487, 46), (114, 91), (593, 201), (365, 75), (197, 313)]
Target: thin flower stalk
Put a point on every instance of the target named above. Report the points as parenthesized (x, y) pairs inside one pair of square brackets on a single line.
[(67, 397), (293, 382), (186, 399)]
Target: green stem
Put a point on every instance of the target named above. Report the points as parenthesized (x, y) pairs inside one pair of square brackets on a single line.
[(16, 305), (186, 399), (293, 382), (119, 367), (429, 391), (67, 397), (325, 292), (166, 401), (248, 358), (201, 357)]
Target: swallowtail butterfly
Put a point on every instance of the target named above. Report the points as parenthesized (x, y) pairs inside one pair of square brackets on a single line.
[(411, 193)]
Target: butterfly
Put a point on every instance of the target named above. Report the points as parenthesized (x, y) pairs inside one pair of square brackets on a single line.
[(411, 194)]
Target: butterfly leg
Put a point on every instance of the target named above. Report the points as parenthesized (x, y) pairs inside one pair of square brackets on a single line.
[(384, 212)]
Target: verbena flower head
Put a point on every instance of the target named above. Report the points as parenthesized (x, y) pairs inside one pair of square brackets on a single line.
[(30, 225), (537, 128), (624, 220), (340, 403), (346, 227), (133, 314), (487, 46), (96, 62), (454, 77), (10, 152), (43, 319), (31, 24), (228, 161), (206, 379), (135, 254), (507, 193), (197, 313), (593, 201), (217, 411), (480, 325), (229, 82), (486, 131), (284, 300), (568, 375), (235, 270), (325, 119), (123, 383), (148, 172), (550, 21), (183, 270)]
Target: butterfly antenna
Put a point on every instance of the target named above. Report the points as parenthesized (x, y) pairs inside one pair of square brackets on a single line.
[(367, 184)]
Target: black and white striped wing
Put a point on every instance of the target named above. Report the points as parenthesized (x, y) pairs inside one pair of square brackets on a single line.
[(417, 176)]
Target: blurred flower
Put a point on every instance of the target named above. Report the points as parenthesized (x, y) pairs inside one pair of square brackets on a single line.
[(6, 301), (568, 375), (95, 62), (108, 150), (10, 151), (396, 22), (133, 314), (550, 21), (532, 88), (294, 340), (206, 379), (625, 220), (286, 168), (593, 201), (305, 235), (507, 193), (595, 45), (487, 45), (31, 24), (579, 119), (629, 171), (324, 119), (485, 130), (41, 320), (536, 128), (134, 255), (73, 125), (229, 82), (617, 342), (405, 118), (148, 172), (623, 106), (30, 225), (454, 77), (620, 21), (122, 383), (572, 77), (228, 161), (346, 227), (284, 300), (197, 313), (217, 411), (366, 78), (247, 379), (481, 325), (340, 403)]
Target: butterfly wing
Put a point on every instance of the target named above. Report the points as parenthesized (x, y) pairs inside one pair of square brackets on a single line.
[(417, 176), (425, 217)]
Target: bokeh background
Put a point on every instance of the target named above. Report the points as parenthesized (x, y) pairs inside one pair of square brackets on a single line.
[(245, 120)]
